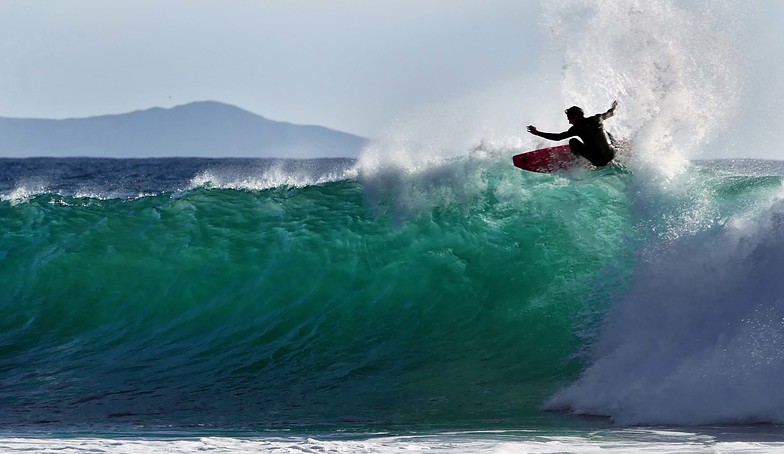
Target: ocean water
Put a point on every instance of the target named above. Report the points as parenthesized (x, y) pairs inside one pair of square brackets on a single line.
[(423, 299), (288, 306)]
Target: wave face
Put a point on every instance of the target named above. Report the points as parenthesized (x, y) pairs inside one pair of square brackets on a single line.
[(462, 294), (330, 303), (408, 289)]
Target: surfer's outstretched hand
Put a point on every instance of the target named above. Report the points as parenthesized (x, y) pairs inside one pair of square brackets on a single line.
[(532, 129)]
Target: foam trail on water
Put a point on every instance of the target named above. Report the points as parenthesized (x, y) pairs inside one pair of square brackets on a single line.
[(496, 442)]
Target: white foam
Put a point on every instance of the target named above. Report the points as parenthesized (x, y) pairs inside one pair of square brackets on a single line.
[(699, 339), (23, 193), (279, 174), (516, 442)]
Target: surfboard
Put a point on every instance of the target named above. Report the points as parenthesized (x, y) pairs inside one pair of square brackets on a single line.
[(548, 160)]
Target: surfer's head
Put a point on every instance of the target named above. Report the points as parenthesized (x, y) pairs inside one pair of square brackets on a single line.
[(574, 113)]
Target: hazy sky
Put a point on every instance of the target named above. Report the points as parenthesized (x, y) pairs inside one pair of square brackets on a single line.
[(352, 65), (371, 66)]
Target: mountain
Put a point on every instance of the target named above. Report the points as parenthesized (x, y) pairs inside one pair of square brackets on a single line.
[(199, 129)]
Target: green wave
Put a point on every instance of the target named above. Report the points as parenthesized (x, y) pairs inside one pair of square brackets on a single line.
[(371, 302)]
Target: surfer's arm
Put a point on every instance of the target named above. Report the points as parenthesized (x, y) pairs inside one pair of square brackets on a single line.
[(610, 112), (550, 135)]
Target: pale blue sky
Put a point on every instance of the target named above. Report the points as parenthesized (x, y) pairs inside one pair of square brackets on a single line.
[(353, 65), (468, 70)]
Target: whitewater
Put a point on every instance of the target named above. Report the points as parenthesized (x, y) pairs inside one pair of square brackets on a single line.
[(426, 295)]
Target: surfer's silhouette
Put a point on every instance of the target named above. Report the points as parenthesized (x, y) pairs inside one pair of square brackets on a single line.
[(594, 144)]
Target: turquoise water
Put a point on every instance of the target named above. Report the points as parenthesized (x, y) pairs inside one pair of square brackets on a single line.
[(462, 296), (303, 306)]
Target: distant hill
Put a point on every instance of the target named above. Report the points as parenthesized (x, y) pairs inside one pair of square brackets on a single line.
[(199, 129)]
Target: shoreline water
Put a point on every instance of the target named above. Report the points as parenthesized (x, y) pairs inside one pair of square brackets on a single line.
[(660, 440)]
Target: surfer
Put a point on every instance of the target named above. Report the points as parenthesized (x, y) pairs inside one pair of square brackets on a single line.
[(594, 144)]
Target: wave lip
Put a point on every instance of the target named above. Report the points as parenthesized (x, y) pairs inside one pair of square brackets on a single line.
[(280, 173), (22, 193)]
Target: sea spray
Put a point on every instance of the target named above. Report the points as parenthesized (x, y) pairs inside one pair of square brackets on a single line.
[(675, 72), (691, 342), (698, 338)]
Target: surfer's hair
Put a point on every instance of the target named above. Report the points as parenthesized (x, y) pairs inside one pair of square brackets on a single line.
[(574, 110)]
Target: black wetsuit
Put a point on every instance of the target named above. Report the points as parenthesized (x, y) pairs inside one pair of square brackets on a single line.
[(596, 145)]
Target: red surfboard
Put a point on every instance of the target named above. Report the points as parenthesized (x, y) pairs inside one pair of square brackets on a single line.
[(548, 160)]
